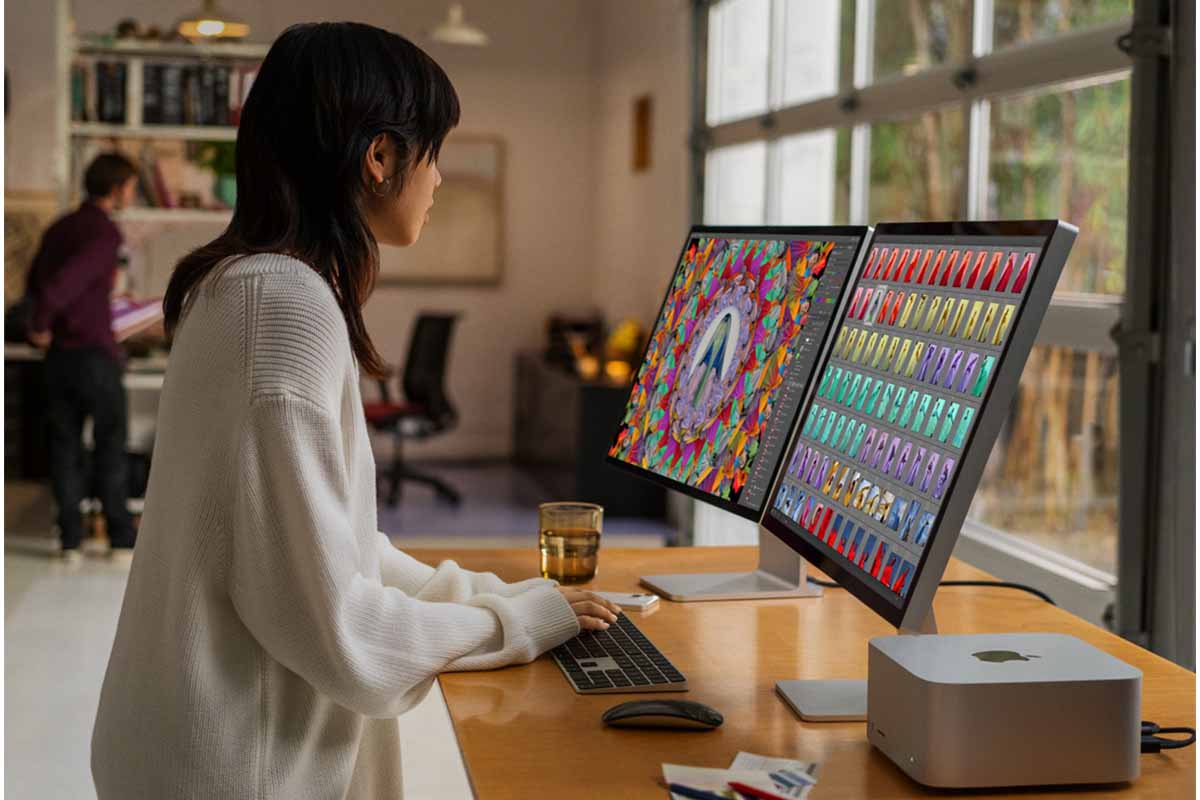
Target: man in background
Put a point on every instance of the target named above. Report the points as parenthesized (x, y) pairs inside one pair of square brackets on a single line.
[(70, 285)]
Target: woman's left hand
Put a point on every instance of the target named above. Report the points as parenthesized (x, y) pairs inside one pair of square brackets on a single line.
[(594, 612)]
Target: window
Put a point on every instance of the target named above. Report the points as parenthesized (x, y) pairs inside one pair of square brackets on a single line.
[(913, 35), (870, 110), (1052, 476), (1019, 21), (917, 167), (737, 59), (813, 172), (735, 185), (1065, 152)]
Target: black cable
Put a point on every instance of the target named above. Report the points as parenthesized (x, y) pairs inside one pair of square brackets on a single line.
[(1156, 744), (1002, 584)]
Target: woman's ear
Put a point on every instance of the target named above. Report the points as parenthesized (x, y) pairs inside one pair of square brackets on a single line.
[(379, 160)]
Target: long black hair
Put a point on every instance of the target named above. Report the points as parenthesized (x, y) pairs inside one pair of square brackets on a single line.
[(322, 94)]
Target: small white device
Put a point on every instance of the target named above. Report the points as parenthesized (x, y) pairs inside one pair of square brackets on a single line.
[(1006, 709), (631, 602)]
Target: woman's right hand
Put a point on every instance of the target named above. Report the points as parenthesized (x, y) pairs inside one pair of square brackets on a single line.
[(594, 612)]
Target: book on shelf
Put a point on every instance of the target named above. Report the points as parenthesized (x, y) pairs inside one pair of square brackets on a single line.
[(202, 94), (152, 99), (98, 91)]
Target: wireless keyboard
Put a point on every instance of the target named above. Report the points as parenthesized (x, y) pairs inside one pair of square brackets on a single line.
[(619, 660)]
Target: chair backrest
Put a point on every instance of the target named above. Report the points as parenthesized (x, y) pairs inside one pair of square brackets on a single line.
[(424, 379)]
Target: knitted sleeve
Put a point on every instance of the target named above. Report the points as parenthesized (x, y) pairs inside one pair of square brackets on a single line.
[(449, 583), (295, 584)]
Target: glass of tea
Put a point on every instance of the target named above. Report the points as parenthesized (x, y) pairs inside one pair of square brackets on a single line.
[(569, 539)]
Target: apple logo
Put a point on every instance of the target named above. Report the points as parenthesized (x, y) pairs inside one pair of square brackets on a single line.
[(1001, 656)]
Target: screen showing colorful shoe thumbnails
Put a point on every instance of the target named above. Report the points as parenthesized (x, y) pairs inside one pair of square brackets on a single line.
[(898, 399)]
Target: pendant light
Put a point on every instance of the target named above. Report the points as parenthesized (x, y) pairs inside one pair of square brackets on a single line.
[(211, 22), (455, 30)]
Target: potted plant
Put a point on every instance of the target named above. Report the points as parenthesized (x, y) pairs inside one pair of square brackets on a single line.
[(220, 158)]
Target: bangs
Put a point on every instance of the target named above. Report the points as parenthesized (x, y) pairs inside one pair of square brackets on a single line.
[(440, 111)]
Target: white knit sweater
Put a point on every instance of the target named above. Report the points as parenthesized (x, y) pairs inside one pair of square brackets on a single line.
[(270, 635)]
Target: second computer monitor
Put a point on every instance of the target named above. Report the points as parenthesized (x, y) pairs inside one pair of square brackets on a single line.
[(728, 362), (923, 367)]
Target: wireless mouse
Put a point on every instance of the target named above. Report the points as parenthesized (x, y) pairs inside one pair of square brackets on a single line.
[(677, 714)]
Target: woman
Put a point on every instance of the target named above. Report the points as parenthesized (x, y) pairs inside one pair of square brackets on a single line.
[(269, 634)]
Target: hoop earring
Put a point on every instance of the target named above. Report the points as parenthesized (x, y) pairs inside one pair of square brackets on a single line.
[(380, 188)]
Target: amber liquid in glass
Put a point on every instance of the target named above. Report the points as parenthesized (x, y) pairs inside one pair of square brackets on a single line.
[(569, 554)]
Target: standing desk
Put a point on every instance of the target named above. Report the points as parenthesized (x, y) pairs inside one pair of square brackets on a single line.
[(524, 733)]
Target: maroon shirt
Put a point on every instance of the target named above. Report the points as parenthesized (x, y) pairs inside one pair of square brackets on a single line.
[(71, 280)]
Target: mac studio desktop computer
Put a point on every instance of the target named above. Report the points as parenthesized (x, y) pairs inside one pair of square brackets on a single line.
[(726, 372)]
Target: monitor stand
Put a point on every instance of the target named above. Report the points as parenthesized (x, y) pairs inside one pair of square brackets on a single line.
[(781, 573), (836, 701)]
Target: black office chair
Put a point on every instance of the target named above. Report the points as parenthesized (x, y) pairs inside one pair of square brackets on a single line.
[(425, 410)]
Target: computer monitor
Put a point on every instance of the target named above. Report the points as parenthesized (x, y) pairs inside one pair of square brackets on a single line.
[(727, 366), (908, 401)]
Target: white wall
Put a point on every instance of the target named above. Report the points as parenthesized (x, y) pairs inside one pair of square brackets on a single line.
[(641, 218), (32, 124)]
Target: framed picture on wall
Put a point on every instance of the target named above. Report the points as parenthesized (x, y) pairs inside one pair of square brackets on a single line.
[(463, 242)]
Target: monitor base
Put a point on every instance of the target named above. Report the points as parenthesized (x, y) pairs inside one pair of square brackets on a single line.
[(826, 701), (838, 701), (757, 585), (781, 573)]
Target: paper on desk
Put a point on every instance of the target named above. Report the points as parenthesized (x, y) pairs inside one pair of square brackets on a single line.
[(788, 780), (753, 761), (710, 780)]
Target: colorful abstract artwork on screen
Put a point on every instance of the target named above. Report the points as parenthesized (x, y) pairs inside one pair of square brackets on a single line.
[(719, 351)]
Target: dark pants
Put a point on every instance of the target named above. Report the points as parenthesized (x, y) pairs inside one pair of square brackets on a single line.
[(80, 384)]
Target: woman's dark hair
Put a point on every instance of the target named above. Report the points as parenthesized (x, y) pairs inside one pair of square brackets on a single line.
[(322, 94), (107, 172)]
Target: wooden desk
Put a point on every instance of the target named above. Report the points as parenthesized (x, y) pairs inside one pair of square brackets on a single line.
[(524, 733)]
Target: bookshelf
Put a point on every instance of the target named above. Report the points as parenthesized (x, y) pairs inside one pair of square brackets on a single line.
[(104, 130), (203, 67), (144, 214)]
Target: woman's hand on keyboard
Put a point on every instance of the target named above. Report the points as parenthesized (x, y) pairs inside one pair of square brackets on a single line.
[(594, 612)]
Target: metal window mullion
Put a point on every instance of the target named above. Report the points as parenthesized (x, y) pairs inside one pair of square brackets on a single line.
[(776, 36), (772, 210), (860, 174), (978, 115), (860, 135), (1140, 426), (698, 143), (982, 27), (864, 42), (1060, 60), (978, 150)]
